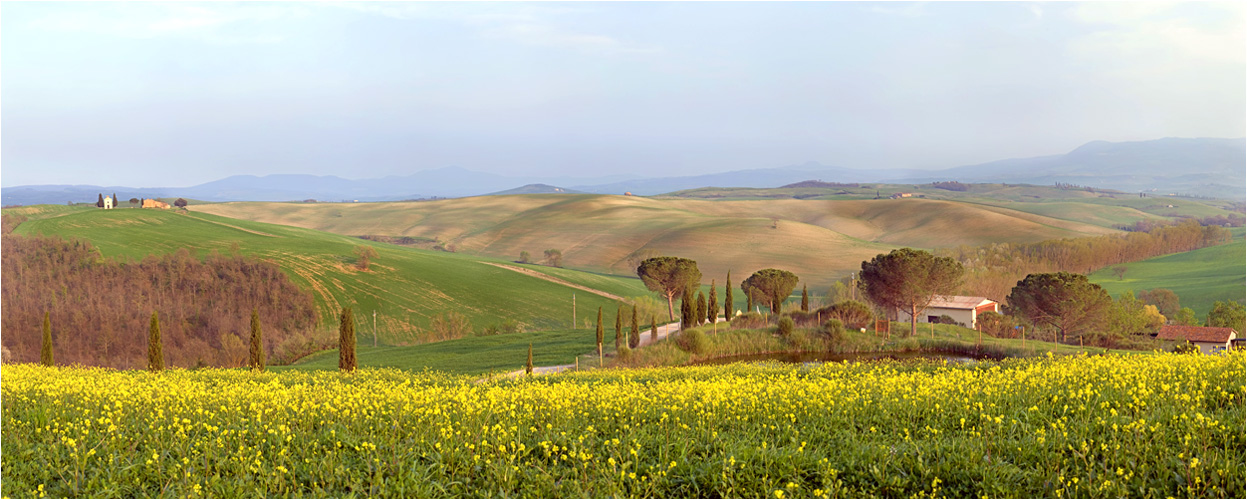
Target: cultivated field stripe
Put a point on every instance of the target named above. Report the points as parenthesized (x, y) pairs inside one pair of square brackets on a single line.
[(552, 279)]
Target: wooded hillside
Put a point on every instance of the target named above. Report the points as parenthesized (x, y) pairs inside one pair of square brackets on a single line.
[(100, 308), (992, 270)]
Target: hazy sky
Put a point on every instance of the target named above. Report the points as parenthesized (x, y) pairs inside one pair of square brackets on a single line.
[(175, 94)]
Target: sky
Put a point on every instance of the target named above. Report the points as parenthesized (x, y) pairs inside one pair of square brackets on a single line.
[(177, 94)]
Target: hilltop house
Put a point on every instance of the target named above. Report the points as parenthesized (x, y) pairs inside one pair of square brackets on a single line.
[(149, 203), (964, 310), (1209, 339), (108, 203)]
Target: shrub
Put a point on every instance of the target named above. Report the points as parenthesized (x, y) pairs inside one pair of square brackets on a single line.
[(749, 320), (784, 329), (624, 353), (693, 341), (508, 326), (833, 327), (997, 325), (450, 325), (945, 319), (852, 313)]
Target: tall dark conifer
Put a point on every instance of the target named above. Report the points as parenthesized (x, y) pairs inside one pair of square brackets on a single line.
[(729, 309), (257, 343), (712, 305), (45, 353), (155, 354), (699, 316), (634, 335), (805, 299), (346, 340), (618, 327), (653, 329), (600, 333)]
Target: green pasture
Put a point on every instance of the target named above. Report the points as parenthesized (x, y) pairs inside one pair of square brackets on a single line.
[(1199, 277), (407, 287)]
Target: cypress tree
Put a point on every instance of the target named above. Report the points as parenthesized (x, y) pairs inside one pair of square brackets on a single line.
[(699, 316), (634, 335), (257, 345), (729, 308), (600, 334), (45, 353), (686, 309), (155, 356), (100, 203), (528, 367), (618, 327), (748, 301), (653, 329), (805, 299), (776, 303), (346, 340), (712, 306)]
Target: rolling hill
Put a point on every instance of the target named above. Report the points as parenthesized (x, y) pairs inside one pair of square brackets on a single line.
[(819, 240), (1198, 166), (407, 287), (1199, 277)]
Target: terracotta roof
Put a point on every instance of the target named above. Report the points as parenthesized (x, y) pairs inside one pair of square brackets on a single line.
[(1196, 333), (958, 302)]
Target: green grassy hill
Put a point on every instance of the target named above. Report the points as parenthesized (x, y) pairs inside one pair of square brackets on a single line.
[(1199, 277), (473, 355), (819, 240), (407, 287)]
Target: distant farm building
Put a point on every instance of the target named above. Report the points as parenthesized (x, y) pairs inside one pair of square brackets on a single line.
[(900, 195), (1209, 339), (964, 310), (628, 193), (148, 203), (108, 203)]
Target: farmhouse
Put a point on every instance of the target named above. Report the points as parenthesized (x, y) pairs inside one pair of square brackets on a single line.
[(901, 195), (964, 310), (108, 203), (1209, 339), (148, 203)]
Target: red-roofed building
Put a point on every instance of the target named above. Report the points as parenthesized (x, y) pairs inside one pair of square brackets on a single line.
[(1209, 339), (964, 310)]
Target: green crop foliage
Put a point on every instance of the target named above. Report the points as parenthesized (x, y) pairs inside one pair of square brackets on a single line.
[(1149, 425)]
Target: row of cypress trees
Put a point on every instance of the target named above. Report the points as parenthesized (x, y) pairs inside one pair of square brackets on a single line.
[(155, 346), (633, 338)]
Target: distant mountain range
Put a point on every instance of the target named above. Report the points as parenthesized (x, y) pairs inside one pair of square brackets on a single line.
[(1203, 166)]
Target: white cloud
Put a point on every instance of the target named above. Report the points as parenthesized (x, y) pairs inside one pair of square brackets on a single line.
[(525, 24), (207, 22), (1037, 11), (911, 10), (1162, 32)]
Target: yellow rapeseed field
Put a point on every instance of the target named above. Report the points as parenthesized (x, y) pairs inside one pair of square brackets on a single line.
[(1110, 426)]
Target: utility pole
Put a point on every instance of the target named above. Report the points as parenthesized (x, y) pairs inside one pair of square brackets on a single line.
[(374, 327)]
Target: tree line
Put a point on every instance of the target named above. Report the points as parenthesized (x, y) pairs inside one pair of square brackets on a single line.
[(993, 269), (99, 308)]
